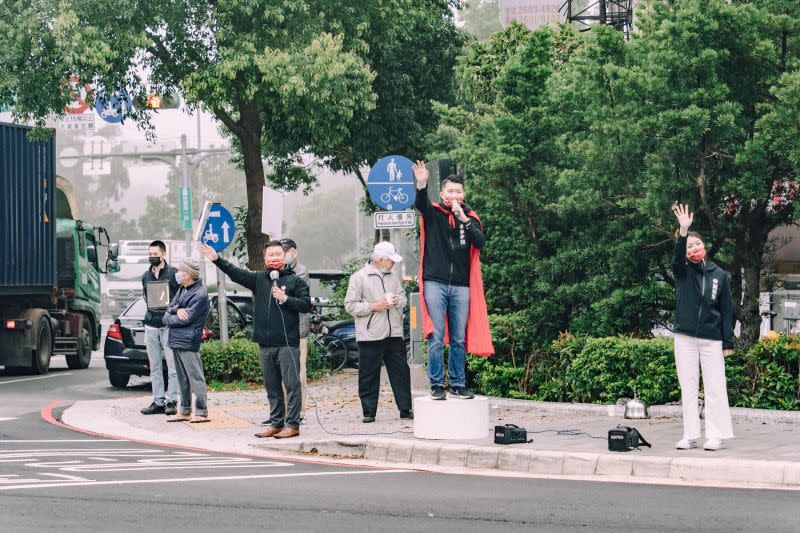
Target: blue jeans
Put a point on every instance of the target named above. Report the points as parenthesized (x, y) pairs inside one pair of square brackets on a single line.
[(452, 302), (157, 342)]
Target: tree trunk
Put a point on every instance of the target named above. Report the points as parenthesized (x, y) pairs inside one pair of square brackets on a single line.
[(749, 314), (746, 281), (254, 176)]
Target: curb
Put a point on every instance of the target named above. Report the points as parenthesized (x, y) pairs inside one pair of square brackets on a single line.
[(739, 414), (427, 453)]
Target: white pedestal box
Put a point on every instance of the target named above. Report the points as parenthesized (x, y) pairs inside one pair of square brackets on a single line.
[(451, 419)]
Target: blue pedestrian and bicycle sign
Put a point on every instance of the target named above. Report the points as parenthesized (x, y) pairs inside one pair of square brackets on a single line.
[(391, 183), (219, 229), (115, 107)]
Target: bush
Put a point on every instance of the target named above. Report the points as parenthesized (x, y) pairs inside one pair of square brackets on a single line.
[(614, 367), (770, 371), (236, 360)]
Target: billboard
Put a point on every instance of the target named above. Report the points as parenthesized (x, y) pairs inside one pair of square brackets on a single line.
[(531, 13)]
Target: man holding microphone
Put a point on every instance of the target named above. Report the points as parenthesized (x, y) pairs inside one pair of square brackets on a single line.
[(450, 283), (280, 297)]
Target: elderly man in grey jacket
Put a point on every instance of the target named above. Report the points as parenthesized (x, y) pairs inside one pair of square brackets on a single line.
[(376, 299)]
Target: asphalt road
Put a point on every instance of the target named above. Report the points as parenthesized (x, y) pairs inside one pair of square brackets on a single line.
[(52, 478)]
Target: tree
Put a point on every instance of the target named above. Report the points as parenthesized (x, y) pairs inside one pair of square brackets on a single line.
[(221, 183), (560, 249), (708, 79), (481, 18), (576, 148), (284, 78), (311, 228)]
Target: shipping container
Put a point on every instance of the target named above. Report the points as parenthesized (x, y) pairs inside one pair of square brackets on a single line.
[(49, 268), (27, 213)]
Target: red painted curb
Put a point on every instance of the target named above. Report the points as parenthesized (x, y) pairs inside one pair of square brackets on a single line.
[(47, 414)]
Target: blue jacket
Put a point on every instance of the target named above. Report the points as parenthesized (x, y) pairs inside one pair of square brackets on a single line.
[(185, 334)]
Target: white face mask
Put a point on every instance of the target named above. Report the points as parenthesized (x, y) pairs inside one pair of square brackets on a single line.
[(289, 258), (180, 277)]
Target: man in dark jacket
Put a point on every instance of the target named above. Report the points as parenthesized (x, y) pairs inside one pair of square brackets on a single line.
[(158, 288), (185, 318), (280, 297), (451, 235)]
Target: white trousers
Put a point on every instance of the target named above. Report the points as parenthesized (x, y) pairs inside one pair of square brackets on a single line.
[(692, 355)]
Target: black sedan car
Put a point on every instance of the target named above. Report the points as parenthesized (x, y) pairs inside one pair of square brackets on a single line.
[(125, 352)]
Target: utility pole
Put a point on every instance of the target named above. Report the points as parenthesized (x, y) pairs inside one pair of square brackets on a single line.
[(186, 194)]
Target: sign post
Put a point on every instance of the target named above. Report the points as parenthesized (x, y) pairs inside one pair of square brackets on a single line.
[(218, 232)]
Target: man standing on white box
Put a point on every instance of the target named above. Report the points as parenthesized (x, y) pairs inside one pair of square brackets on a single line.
[(450, 283)]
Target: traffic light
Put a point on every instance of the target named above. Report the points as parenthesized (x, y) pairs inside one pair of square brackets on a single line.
[(167, 100)]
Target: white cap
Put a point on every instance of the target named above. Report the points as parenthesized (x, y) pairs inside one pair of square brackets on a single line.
[(386, 249)]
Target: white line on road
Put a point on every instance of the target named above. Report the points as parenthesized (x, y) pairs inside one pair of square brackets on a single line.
[(4, 418), (40, 377), (67, 477), (107, 441), (190, 479)]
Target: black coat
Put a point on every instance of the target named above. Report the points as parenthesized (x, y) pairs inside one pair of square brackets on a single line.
[(186, 334), (274, 324), (446, 255), (703, 292)]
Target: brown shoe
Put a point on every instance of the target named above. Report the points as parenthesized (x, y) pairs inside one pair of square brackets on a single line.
[(271, 432), (287, 433)]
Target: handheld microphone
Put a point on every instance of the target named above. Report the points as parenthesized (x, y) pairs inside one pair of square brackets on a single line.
[(274, 275)]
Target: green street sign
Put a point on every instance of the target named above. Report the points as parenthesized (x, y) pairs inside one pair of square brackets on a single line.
[(186, 208)]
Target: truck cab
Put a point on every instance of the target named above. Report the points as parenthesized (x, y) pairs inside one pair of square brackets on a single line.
[(78, 270)]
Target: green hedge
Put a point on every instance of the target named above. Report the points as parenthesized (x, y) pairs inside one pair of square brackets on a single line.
[(239, 360), (601, 370), (236, 360)]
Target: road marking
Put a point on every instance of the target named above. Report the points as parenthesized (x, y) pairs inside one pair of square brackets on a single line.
[(190, 479), (39, 377), (68, 477), (3, 419), (107, 441)]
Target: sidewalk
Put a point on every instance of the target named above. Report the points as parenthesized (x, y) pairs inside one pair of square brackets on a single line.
[(766, 451)]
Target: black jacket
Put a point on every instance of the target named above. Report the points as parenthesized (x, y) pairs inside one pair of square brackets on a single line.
[(703, 294), (154, 317), (186, 334), (446, 254), (274, 324)]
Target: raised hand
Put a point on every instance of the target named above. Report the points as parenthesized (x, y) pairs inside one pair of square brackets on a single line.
[(421, 174), (685, 218), (208, 251)]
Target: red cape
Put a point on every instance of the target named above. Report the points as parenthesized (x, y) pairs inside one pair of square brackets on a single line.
[(478, 337)]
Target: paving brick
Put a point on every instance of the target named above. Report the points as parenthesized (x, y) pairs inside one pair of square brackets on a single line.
[(400, 451), (619, 464), (734, 470), (453, 454), (482, 457), (517, 460), (579, 464), (545, 462), (649, 466), (426, 453)]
